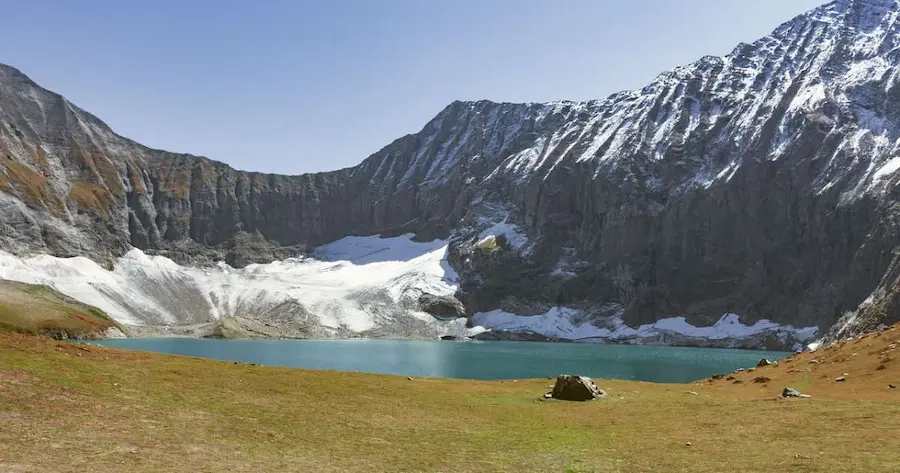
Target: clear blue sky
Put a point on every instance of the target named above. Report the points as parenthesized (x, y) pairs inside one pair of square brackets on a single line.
[(295, 86)]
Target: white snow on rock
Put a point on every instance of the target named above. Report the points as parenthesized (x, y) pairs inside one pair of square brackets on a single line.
[(335, 285), (568, 323), (514, 237)]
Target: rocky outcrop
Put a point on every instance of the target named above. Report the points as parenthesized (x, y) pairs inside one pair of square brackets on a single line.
[(762, 183)]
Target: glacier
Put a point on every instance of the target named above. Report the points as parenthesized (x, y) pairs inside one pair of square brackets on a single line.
[(352, 286)]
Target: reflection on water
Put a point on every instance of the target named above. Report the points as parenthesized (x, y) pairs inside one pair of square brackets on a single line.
[(475, 360)]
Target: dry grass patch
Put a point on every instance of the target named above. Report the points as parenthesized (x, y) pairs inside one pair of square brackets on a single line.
[(66, 407), (30, 185), (34, 309)]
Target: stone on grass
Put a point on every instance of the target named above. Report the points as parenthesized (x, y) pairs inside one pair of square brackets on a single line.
[(791, 392), (840, 379), (575, 388), (766, 362)]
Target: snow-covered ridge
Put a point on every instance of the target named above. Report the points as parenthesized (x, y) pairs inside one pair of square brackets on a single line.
[(831, 66)]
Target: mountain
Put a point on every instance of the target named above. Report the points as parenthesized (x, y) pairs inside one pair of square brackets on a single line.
[(758, 189)]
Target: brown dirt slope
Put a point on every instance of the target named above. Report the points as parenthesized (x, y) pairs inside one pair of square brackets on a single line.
[(869, 365)]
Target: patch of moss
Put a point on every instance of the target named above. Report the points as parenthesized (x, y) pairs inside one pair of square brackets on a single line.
[(30, 185), (91, 196)]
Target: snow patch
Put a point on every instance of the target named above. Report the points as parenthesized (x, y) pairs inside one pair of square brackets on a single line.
[(568, 323)]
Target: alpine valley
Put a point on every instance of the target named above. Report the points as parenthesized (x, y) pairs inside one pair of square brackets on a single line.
[(750, 200)]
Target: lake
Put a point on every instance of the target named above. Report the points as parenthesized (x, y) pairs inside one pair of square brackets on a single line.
[(469, 360)]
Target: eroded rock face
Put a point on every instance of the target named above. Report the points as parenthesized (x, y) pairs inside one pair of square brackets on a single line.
[(761, 183)]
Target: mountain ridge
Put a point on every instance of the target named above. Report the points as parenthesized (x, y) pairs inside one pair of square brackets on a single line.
[(760, 183)]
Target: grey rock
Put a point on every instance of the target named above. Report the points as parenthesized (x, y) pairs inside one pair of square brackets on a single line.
[(441, 306), (840, 379), (766, 362), (790, 392), (576, 388), (114, 333)]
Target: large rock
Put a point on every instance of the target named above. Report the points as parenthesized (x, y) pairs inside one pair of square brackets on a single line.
[(576, 388), (441, 306)]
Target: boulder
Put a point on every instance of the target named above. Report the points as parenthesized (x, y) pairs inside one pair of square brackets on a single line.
[(441, 306), (791, 392), (576, 388)]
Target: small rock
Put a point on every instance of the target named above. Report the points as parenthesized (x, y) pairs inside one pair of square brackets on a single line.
[(409, 378), (693, 393), (740, 370), (806, 396), (687, 444), (718, 376), (548, 395), (729, 378), (892, 346), (846, 374), (840, 379), (892, 386), (814, 361), (750, 370), (791, 392), (766, 362)]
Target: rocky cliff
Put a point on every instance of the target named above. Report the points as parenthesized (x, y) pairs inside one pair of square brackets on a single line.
[(762, 184)]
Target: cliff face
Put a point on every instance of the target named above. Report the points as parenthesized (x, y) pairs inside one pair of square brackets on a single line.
[(761, 183)]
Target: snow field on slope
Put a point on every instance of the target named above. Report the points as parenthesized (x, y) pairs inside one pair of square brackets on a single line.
[(329, 285)]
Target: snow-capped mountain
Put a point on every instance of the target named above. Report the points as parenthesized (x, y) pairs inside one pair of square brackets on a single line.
[(759, 185)]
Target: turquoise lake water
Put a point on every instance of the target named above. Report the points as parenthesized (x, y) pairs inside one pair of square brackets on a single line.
[(470, 360)]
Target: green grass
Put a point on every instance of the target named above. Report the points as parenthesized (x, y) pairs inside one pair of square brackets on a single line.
[(66, 407), (40, 310)]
